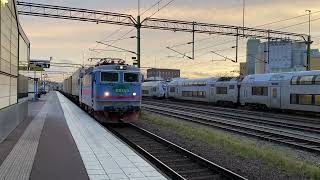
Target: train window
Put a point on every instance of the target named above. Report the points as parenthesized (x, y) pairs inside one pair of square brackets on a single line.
[(305, 99), (231, 87), (274, 92), (131, 77), (172, 89), (306, 80), (194, 94), (222, 90), (154, 89), (317, 100), (109, 77), (260, 91), (317, 80), (202, 94), (145, 92), (294, 99), (294, 80)]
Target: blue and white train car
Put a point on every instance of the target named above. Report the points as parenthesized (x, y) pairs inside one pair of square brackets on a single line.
[(111, 91), (156, 89), (299, 91), (191, 89)]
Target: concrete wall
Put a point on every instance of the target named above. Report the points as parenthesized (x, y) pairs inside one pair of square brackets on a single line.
[(11, 117)]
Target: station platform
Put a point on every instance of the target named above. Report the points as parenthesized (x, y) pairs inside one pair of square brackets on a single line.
[(60, 141)]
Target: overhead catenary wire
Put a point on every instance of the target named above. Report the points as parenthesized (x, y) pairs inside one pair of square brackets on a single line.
[(287, 19), (297, 24)]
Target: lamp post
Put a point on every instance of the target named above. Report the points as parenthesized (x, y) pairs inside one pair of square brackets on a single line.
[(309, 12), (243, 14), (309, 42)]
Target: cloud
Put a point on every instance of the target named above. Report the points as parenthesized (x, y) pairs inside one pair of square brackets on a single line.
[(64, 39)]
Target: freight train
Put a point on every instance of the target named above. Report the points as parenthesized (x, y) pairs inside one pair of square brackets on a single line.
[(296, 91), (110, 91)]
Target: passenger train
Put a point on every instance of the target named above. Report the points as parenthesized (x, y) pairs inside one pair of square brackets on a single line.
[(155, 89), (111, 91), (298, 91)]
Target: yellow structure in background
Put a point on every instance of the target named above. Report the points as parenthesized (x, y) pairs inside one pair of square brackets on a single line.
[(315, 63)]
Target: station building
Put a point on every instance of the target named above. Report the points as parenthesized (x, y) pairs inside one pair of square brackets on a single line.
[(15, 47), (165, 74)]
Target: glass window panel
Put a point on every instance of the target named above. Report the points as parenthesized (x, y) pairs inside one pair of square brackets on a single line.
[(317, 81), (306, 80), (294, 99), (131, 77), (294, 80), (145, 92), (317, 100), (222, 90), (194, 93), (260, 91), (109, 77), (274, 92), (305, 99), (172, 89)]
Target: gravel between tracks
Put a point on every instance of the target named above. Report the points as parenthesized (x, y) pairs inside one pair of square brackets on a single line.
[(249, 168)]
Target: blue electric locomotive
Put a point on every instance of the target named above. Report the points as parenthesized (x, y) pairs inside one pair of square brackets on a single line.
[(111, 91)]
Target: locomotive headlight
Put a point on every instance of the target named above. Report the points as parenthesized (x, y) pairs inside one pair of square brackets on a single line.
[(106, 94), (134, 94)]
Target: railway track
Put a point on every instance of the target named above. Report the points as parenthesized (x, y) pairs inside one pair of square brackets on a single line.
[(176, 162), (292, 124), (296, 118), (270, 133)]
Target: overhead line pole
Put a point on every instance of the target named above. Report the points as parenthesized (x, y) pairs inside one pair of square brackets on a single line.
[(193, 41)]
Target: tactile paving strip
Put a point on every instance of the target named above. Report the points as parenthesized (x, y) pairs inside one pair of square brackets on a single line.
[(18, 164)]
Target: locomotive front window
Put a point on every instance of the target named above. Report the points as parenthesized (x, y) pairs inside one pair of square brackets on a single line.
[(131, 77), (109, 77)]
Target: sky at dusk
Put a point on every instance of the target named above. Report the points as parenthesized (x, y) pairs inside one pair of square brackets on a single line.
[(70, 41)]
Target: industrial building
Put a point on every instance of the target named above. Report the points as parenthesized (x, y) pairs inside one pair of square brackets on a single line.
[(275, 56), (243, 69), (165, 74), (252, 53), (315, 59), (15, 47)]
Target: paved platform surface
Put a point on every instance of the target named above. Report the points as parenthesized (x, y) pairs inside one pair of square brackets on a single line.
[(60, 141)]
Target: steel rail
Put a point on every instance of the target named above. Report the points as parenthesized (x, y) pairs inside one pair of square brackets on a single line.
[(299, 119), (290, 139), (244, 117), (160, 150)]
